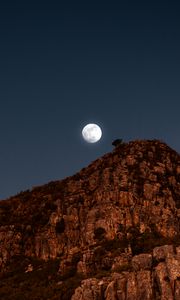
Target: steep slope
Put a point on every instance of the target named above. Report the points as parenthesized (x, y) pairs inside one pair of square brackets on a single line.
[(109, 232)]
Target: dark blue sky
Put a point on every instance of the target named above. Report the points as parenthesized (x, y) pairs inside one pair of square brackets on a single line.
[(66, 63)]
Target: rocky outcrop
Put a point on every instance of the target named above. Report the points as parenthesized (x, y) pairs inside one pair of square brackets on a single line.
[(112, 229), (147, 277)]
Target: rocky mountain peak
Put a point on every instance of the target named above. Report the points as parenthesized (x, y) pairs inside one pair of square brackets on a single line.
[(111, 231)]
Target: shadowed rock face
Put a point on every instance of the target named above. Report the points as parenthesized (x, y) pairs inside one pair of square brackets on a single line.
[(109, 232)]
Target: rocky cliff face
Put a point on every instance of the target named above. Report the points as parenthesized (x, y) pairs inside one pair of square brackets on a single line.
[(109, 232)]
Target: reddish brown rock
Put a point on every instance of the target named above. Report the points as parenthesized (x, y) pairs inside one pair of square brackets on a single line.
[(142, 262), (110, 231)]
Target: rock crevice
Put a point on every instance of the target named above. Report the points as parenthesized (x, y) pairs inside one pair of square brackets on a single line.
[(111, 230)]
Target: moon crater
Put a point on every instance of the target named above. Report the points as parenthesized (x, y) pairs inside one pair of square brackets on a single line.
[(92, 133)]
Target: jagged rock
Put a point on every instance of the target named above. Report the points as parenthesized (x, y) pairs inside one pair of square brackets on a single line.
[(121, 262), (109, 232), (89, 289), (160, 253), (142, 262)]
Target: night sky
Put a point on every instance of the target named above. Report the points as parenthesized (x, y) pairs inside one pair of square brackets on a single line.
[(64, 64)]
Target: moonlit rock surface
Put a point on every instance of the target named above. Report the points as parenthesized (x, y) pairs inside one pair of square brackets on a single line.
[(114, 225), (91, 133)]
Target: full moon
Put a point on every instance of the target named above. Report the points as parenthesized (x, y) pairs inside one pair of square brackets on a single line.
[(91, 133)]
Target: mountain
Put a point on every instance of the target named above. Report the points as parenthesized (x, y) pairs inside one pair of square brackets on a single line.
[(110, 232)]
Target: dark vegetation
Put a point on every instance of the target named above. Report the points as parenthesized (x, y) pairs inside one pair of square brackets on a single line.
[(43, 283), (115, 244), (147, 241), (117, 142), (99, 233), (105, 253), (60, 226), (71, 267)]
